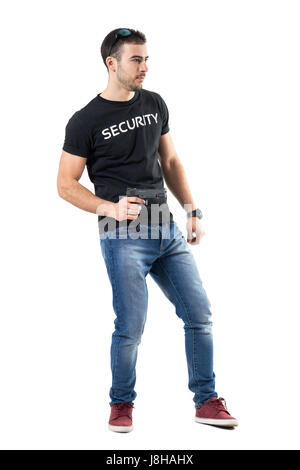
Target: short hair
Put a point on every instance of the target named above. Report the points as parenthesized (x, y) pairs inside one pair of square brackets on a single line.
[(136, 37)]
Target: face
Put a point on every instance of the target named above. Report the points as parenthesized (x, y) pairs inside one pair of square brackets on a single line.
[(133, 66)]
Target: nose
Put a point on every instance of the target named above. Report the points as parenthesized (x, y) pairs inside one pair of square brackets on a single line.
[(143, 68)]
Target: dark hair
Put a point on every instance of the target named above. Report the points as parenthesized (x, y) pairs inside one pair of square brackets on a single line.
[(136, 37)]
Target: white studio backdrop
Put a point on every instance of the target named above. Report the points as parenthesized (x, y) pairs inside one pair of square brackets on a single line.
[(229, 73)]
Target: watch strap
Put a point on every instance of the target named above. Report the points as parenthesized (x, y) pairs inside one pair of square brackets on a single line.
[(195, 213)]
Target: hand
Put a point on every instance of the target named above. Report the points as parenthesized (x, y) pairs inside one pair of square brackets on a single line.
[(194, 224), (124, 209)]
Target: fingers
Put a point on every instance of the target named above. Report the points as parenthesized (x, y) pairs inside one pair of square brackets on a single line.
[(129, 207), (194, 238), (191, 236), (131, 215), (133, 210), (136, 199)]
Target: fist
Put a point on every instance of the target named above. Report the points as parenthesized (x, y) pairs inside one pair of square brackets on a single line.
[(195, 230), (128, 207)]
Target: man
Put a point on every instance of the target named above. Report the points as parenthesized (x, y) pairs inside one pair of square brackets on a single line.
[(123, 137)]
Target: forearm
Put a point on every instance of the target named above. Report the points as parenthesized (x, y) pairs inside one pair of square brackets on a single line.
[(176, 180), (81, 197)]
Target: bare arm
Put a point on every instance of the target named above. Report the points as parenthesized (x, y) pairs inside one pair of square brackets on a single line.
[(176, 180), (70, 170), (174, 173)]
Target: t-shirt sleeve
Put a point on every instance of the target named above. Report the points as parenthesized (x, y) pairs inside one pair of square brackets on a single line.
[(165, 117), (77, 140)]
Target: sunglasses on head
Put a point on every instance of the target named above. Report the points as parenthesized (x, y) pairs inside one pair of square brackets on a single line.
[(122, 33)]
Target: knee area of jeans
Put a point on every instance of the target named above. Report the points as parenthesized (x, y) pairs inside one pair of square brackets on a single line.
[(133, 335), (137, 335), (205, 328)]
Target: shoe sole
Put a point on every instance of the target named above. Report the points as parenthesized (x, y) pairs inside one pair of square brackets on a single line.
[(120, 428), (227, 423)]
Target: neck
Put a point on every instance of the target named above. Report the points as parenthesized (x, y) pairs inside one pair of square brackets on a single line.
[(117, 94)]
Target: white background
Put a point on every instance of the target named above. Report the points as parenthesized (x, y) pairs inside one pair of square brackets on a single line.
[(229, 73)]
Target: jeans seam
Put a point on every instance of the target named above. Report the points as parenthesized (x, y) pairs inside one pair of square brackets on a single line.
[(115, 292), (186, 309)]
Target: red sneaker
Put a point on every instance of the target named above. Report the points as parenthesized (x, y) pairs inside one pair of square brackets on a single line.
[(121, 417), (214, 411)]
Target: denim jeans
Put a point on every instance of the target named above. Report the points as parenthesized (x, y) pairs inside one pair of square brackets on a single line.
[(162, 252)]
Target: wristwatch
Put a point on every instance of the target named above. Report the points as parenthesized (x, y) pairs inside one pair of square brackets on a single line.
[(195, 213)]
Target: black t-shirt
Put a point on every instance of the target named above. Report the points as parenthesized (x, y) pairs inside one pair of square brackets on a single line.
[(120, 140)]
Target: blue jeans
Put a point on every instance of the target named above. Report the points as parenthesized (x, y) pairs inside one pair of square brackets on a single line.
[(163, 252)]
